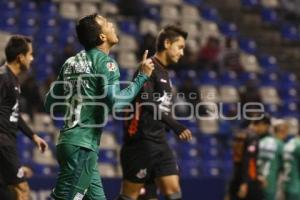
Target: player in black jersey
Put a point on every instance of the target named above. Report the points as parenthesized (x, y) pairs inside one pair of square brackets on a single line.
[(246, 182), (19, 56), (145, 153)]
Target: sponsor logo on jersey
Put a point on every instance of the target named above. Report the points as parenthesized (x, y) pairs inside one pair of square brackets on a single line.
[(111, 66), (142, 173), (78, 196), (163, 80)]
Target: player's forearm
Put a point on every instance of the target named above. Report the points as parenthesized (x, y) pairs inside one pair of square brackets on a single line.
[(173, 124), (25, 128), (121, 98)]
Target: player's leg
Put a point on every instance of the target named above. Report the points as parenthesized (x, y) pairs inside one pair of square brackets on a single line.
[(95, 190), (130, 190), (77, 166), (14, 175), (169, 187), (149, 192), (166, 173), (135, 167)]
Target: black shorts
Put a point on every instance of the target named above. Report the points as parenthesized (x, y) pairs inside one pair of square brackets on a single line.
[(10, 167), (146, 160)]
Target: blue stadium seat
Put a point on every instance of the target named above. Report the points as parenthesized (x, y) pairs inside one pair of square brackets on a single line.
[(129, 27), (268, 63), (289, 94), (108, 156), (250, 3), (46, 170), (269, 79), (9, 24), (196, 3), (211, 169), (152, 12), (189, 169), (269, 16), (290, 32), (288, 79), (210, 14), (248, 45), (188, 152), (48, 9), (247, 76), (229, 78), (290, 109), (229, 29), (24, 147), (28, 7), (208, 77), (8, 8)]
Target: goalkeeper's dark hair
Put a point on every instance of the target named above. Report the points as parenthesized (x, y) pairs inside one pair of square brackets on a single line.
[(16, 45), (169, 32), (88, 31)]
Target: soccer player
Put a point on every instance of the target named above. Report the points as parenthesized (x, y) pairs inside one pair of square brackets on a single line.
[(86, 90), (145, 153), (18, 52), (246, 183), (291, 157), (270, 159)]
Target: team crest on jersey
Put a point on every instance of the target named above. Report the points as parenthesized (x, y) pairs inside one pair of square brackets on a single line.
[(142, 173), (111, 66), (252, 148), (20, 173)]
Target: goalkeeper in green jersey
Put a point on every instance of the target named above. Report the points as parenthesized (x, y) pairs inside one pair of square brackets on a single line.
[(86, 90), (270, 158), (291, 156)]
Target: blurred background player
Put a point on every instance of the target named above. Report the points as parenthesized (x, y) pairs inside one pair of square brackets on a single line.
[(146, 152), (246, 182), (270, 158), (281, 131), (291, 157), (97, 75), (19, 56)]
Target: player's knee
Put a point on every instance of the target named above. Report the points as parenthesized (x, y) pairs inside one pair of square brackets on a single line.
[(171, 189), (124, 197), (174, 196)]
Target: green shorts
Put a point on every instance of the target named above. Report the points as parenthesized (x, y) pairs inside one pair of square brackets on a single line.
[(78, 177)]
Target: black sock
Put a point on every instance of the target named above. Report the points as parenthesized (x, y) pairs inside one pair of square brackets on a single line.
[(175, 196)]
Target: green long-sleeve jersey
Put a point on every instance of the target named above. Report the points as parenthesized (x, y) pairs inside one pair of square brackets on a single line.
[(86, 90), (270, 161), (292, 166)]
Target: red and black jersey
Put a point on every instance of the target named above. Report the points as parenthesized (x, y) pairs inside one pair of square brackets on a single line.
[(10, 120), (245, 152), (153, 109)]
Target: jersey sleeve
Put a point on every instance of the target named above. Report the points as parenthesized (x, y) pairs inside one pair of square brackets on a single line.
[(3, 88), (117, 98)]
